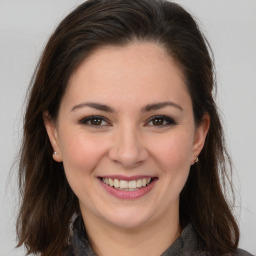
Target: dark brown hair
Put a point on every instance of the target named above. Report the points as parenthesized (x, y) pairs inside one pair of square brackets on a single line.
[(48, 203)]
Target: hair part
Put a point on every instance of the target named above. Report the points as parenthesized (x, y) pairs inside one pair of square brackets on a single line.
[(48, 202)]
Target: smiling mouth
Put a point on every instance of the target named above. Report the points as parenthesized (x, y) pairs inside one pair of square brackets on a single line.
[(125, 185)]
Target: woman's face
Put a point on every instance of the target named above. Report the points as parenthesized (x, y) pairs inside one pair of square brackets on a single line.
[(126, 135)]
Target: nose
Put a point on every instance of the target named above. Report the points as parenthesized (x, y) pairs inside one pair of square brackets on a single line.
[(127, 148)]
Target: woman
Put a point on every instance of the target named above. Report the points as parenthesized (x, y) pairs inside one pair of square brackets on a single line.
[(123, 150)]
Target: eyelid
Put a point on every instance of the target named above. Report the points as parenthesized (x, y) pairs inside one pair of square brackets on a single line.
[(86, 119), (169, 119)]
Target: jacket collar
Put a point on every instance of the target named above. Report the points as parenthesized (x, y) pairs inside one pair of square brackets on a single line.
[(187, 244)]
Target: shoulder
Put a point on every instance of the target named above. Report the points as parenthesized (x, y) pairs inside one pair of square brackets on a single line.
[(241, 252)]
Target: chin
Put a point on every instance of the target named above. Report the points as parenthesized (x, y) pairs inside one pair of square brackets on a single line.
[(127, 219)]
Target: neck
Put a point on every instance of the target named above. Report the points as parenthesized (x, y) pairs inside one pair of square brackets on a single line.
[(149, 239)]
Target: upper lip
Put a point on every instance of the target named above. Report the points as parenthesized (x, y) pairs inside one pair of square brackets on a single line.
[(121, 177)]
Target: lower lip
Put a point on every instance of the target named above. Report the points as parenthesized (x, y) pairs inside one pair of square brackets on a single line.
[(128, 194)]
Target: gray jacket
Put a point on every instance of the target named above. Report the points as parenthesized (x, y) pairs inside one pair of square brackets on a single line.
[(188, 244)]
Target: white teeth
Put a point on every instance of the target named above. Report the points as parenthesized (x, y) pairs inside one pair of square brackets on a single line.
[(110, 182), (131, 185), (124, 184), (116, 183), (139, 183)]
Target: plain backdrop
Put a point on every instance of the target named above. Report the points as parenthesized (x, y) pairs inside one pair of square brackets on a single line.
[(230, 26)]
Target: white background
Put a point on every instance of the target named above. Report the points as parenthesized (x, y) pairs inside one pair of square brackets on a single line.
[(230, 26)]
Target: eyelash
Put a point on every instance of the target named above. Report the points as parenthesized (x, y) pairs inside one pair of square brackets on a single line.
[(168, 121), (86, 120)]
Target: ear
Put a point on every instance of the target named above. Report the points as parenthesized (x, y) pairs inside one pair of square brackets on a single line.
[(200, 136), (53, 136)]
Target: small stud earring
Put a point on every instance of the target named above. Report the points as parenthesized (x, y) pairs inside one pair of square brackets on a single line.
[(196, 160), (55, 152)]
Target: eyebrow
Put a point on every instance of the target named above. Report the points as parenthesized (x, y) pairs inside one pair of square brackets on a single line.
[(106, 108), (95, 105), (160, 105)]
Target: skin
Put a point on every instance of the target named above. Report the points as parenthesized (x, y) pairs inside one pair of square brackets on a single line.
[(127, 142)]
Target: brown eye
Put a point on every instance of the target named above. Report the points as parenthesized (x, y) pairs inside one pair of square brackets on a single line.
[(94, 121), (158, 121), (161, 121)]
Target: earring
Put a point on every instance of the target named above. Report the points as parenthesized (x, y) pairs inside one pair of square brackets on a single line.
[(196, 160), (55, 152)]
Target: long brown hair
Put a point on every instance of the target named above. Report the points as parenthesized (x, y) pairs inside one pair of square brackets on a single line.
[(48, 202)]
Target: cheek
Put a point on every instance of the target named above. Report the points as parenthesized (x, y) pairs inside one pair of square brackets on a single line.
[(80, 153), (174, 151), (174, 160)]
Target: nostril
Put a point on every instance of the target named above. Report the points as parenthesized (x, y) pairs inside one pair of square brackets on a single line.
[(128, 157)]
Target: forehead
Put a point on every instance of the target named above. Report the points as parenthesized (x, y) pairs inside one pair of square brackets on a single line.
[(137, 71), (114, 58)]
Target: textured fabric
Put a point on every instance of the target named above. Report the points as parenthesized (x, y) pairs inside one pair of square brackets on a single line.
[(79, 245), (188, 244)]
